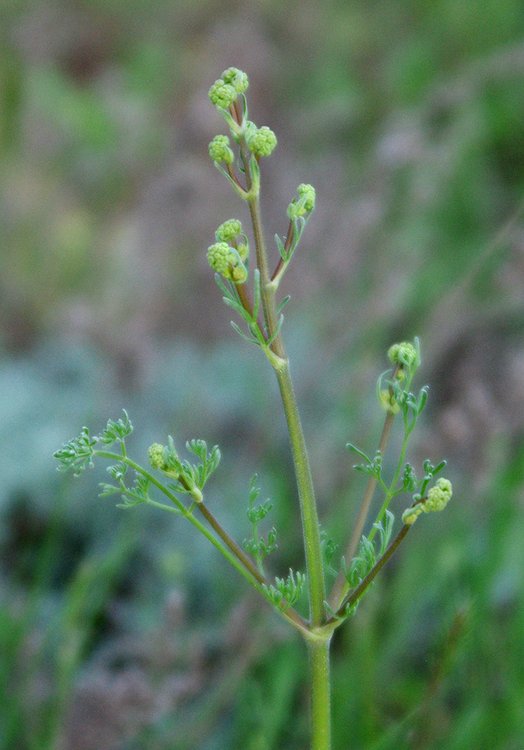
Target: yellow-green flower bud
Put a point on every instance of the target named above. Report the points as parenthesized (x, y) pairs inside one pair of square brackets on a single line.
[(388, 402), (239, 273), (307, 195), (261, 141), (243, 250), (226, 261), (218, 256), (220, 151), (156, 456), (305, 202), (229, 230), (222, 94), (410, 515), (438, 496), (403, 354), (236, 78)]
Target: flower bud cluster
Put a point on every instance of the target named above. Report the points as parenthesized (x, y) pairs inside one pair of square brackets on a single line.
[(226, 261), (164, 458), (437, 498), (403, 354), (305, 203), (231, 232), (156, 456), (261, 141), (225, 89), (220, 150), (236, 78)]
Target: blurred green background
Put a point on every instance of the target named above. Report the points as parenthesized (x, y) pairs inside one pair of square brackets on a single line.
[(122, 630)]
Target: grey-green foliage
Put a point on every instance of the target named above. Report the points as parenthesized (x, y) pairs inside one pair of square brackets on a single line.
[(116, 430), (77, 454), (372, 466), (367, 554), (286, 592), (396, 384), (193, 474), (329, 548), (258, 545), (134, 494)]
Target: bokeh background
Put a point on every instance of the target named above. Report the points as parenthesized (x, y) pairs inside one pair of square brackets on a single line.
[(121, 629)]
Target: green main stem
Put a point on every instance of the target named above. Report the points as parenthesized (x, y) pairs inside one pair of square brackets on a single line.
[(308, 507), (320, 694), (318, 647), (306, 492)]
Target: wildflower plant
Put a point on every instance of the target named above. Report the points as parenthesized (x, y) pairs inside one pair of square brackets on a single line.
[(176, 483)]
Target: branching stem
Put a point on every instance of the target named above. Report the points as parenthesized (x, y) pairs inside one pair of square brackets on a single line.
[(227, 547), (230, 542), (306, 493), (355, 595), (340, 585)]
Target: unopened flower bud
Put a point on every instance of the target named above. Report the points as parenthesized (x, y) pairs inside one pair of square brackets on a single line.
[(261, 141), (307, 195), (226, 261), (403, 354), (229, 230), (305, 202), (243, 250), (438, 496), (156, 456), (218, 256), (388, 401), (220, 151), (222, 94), (410, 515), (238, 273), (236, 78)]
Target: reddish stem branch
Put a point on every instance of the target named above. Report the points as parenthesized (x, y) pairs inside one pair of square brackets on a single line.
[(355, 595), (289, 239), (340, 583)]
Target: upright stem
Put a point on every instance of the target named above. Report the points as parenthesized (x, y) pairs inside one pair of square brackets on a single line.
[(320, 694), (306, 492), (318, 646)]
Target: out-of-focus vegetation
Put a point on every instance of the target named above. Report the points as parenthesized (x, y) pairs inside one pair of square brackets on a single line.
[(407, 117)]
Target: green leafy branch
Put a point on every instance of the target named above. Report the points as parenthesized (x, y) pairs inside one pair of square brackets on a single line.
[(329, 548), (257, 545), (77, 454), (299, 212), (189, 479), (286, 592), (396, 398), (351, 600), (132, 495), (363, 563)]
